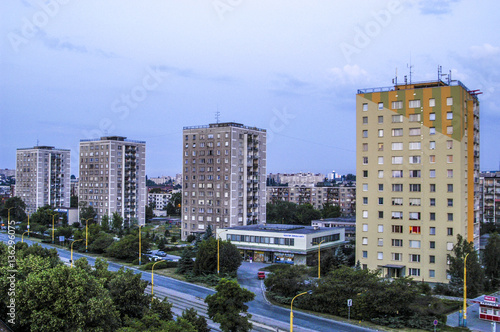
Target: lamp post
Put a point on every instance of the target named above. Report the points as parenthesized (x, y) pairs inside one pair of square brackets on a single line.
[(218, 251), (152, 275), (87, 233), (319, 258), (465, 290), (8, 212), (28, 224), (291, 308), (53, 215), (22, 236), (72, 251), (140, 249)]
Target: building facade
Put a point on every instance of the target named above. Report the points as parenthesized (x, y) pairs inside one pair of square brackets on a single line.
[(113, 177), (490, 197), (343, 196), (159, 201), (280, 243), (43, 177), (224, 177), (417, 174)]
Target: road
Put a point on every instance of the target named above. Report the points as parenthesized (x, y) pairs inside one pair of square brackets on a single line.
[(261, 310)]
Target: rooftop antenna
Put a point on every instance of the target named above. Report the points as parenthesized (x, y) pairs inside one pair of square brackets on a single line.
[(217, 115), (410, 66), (37, 141), (395, 79), (440, 71)]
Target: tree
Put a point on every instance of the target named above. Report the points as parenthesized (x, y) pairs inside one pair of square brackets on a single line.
[(186, 262), (206, 258), (227, 306), (333, 260), (209, 233), (128, 247), (162, 308), (475, 274), (87, 212), (127, 291), (287, 281), (105, 223), (149, 211), (117, 222), (174, 206), (491, 259), (17, 207), (43, 216), (73, 201), (101, 242), (306, 213), (199, 322), (281, 212), (330, 211)]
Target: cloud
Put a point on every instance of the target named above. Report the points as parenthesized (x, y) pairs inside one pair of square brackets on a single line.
[(289, 86), (436, 7), (484, 51), (64, 44), (349, 74)]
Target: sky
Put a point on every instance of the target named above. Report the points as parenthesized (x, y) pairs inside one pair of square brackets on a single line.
[(72, 70)]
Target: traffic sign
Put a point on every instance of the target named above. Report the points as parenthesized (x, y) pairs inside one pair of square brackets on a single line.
[(349, 302), (435, 322)]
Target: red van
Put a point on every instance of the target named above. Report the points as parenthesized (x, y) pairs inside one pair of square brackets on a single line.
[(261, 275)]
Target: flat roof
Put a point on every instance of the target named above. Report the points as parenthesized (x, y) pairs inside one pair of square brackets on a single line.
[(337, 220), (293, 229)]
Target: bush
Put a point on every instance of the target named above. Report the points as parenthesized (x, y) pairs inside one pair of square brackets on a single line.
[(191, 238), (161, 265)]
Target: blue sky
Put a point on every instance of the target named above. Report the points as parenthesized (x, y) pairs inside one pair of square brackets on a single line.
[(72, 70)]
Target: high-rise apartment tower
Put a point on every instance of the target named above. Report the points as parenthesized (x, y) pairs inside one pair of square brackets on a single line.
[(43, 177), (224, 177), (113, 177), (417, 173)]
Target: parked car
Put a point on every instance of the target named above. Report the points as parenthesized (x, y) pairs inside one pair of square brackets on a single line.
[(261, 275)]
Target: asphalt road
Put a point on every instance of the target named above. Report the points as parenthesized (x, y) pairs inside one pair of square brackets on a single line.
[(247, 277)]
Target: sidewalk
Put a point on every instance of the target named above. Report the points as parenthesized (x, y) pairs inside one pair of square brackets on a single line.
[(473, 321)]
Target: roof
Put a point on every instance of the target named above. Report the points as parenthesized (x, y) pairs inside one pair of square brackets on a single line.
[(292, 229)]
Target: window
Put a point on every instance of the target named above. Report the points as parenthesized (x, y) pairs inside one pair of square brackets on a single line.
[(449, 144), (380, 106), (365, 186), (396, 256), (397, 187), (381, 146), (450, 216), (432, 159), (432, 173), (432, 145), (415, 173), (380, 242), (397, 201), (365, 254), (365, 146), (432, 244), (449, 231), (381, 133), (414, 230), (432, 188), (432, 216), (397, 160), (365, 214), (365, 120), (380, 174), (415, 145), (365, 200), (397, 174), (414, 117), (380, 228), (432, 131), (432, 102), (397, 215), (397, 242), (415, 244), (449, 173), (414, 272), (414, 131), (432, 259), (380, 255), (432, 230), (449, 158), (380, 160), (414, 215), (432, 273), (380, 119), (397, 229), (450, 202), (414, 159), (380, 201), (449, 101), (414, 103), (415, 202), (449, 245), (365, 241), (365, 227), (415, 258), (365, 107), (380, 214), (432, 116), (365, 160), (450, 188), (397, 118), (396, 105), (365, 133), (415, 187), (397, 146), (449, 115), (397, 132), (380, 187), (449, 130)]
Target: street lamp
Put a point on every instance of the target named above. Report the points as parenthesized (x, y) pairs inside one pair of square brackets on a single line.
[(22, 236), (140, 248), (319, 258), (152, 283), (87, 233), (8, 212), (291, 308), (28, 224), (465, 290), (72, 251), (218, 251), (53, 215)]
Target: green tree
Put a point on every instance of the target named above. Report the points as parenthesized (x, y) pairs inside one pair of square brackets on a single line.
[(475, 274), (186, 262), (287, 281), (330, 211), (199, 322), (162, 308), (101, 242), (43, 216), (281, 212), (174, 206), (227, 307), (208, 233), (73, 201), (491, 259), (117, 222), (149, 211), (87, 212), (17, 207), (127, 291), (105, 223), (206, 258), (306, 213), (128, 247)]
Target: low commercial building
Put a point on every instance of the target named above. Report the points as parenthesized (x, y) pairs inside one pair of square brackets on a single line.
[(348, 223), (279, 243)]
